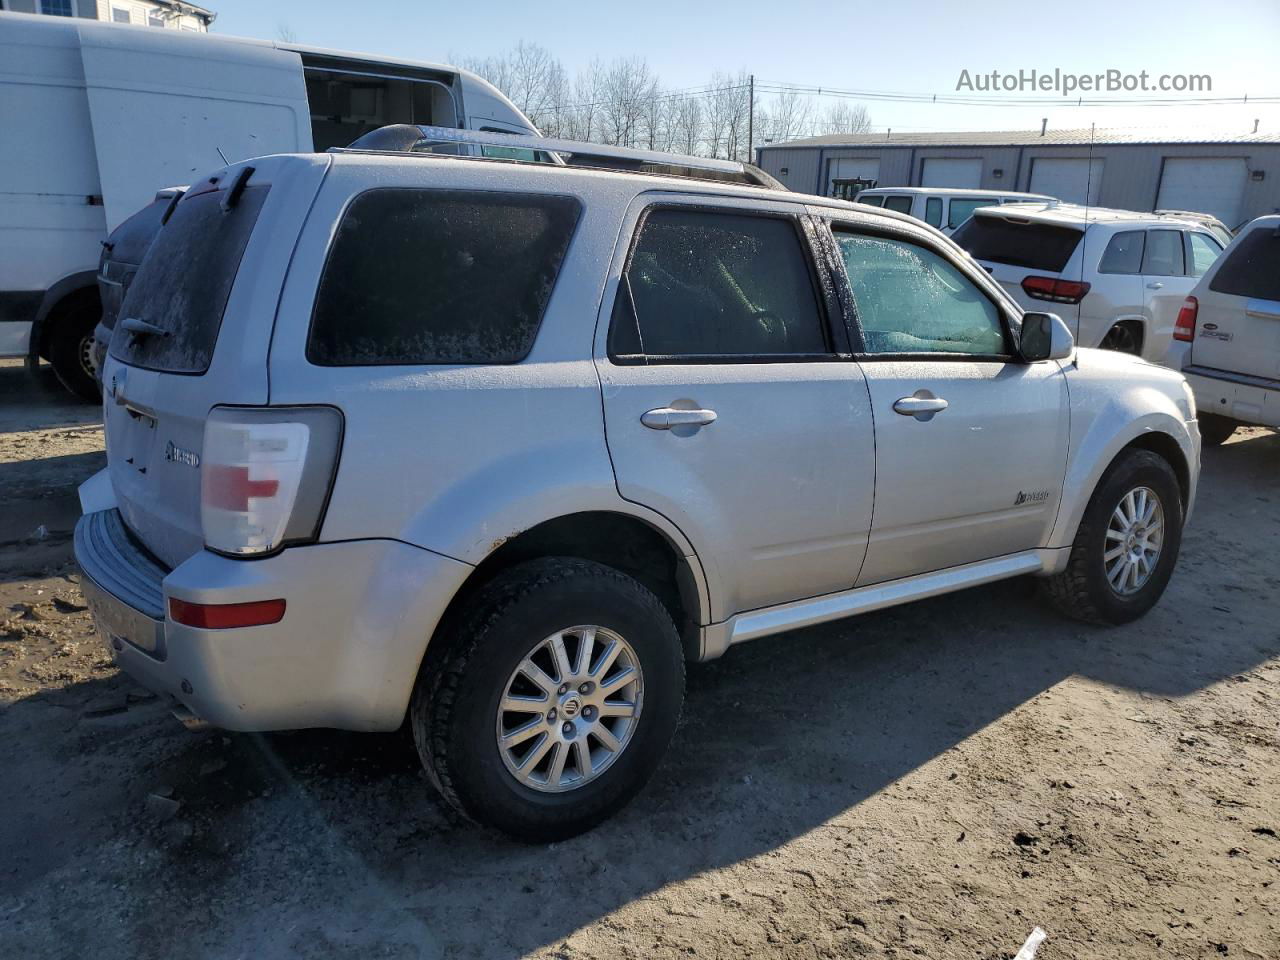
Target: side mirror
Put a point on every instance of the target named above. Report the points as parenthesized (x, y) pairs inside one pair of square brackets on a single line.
[(1045, 337)]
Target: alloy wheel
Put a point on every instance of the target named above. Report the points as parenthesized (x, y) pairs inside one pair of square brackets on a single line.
[(1134, 537), (569, 709)]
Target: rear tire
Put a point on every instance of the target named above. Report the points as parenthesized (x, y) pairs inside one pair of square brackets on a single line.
[(1216, 430), (70, 344), (461, 705), (1086, 589)]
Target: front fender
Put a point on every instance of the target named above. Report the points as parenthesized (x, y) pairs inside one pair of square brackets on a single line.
[(1098, 437)]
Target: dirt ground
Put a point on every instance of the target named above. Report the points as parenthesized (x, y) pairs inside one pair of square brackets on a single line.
[(931, 781)]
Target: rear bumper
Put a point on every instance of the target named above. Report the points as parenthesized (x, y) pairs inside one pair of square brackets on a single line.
[(1239, 396), (346, 654)]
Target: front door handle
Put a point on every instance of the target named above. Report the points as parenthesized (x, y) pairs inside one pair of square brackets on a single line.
[(922, 408), (1155, 286), (664, 418)]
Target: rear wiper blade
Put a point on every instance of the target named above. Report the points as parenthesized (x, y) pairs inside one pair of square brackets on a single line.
[(140, 328)]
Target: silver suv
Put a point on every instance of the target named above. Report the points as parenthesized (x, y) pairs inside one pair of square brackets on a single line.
[(496, 446)]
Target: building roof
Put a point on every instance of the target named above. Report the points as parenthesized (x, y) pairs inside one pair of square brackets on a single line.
[(1020, 138)]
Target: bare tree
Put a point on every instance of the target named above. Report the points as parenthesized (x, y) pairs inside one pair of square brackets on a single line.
[(846, 117), (686, 124), (726, 116), (286, 33), (627, 86), (784, 117)]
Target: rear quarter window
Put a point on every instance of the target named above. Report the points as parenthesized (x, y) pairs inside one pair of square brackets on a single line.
[(184, 282), (1252, 268), (1039, 246), (439, 276)]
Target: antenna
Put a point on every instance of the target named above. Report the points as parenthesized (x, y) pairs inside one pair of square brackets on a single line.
[(1088, 189), (223, 156)]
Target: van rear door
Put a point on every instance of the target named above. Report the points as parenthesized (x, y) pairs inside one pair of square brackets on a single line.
[(194, 332), (165, 106), (1238, 327)]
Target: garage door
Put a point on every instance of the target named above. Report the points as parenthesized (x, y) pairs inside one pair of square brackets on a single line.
[(965, 174), (850, 168), (1071, 179), (1205, 184)]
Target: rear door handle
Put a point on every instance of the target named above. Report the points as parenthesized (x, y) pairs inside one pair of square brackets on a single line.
[(922, 408), (664, 418), (1155, 286)]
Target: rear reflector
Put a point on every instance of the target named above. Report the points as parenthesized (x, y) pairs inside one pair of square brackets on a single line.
[(224, 616), (1184, 328), (1051, 288)]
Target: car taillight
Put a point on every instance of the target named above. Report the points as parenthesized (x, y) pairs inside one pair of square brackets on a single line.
[(265, 476), (1051, 288), (1184, 328)]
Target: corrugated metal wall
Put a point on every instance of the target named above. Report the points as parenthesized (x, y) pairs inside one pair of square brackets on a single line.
[(1130, 178)]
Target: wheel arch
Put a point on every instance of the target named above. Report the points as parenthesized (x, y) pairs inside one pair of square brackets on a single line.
[(56, 299), (634, 545)]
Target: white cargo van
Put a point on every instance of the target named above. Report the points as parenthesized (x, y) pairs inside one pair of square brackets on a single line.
[(99, 116)]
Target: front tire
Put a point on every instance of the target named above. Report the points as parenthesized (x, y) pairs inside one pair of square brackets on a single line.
[(1216, 430), (554, 701), (1127, 544)]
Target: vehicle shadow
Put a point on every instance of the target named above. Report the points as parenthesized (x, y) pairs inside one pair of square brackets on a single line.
[(321, 842)]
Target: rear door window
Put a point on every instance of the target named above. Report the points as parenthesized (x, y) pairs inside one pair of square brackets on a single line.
[(705, 284), (439, 276), (1039, 246), (1202, 251), (874, 200), (183, 284), (1163, 257), (898, 204), (1250, 269), (1124, 253)]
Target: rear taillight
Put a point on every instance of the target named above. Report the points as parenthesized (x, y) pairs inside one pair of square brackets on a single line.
[(1051, 288), (265, 476), (1184, 328)]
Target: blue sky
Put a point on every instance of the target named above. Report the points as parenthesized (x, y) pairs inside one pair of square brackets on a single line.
[(905, 45)]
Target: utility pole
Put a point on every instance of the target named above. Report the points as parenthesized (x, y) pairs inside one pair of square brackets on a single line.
[(751, 118)]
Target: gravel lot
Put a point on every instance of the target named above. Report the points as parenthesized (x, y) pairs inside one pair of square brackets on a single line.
[(930, 781)]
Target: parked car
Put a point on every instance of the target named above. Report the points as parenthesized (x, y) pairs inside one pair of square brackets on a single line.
[(498, 445), (1110, 273), (84, 150), (1211, 223), (943, 207), (1226, 340), (122, 254)]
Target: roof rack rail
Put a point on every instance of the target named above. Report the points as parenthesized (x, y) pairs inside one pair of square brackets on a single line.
[(418, 138)]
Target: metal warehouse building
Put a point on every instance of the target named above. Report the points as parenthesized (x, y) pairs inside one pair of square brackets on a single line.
[(1234, 178)]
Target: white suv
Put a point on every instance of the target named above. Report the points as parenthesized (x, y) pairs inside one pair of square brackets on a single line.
[(1111, 274), (1227, 334), (497, 445)]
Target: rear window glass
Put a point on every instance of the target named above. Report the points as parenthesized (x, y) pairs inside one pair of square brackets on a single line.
[(1039, 246), (1252, 268), (439, 276), (1124, 253), (874, 200), (183, 284), (899, 204)]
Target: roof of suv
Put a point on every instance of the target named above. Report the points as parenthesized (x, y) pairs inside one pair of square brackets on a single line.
[(699, 176), (1075, 214)]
